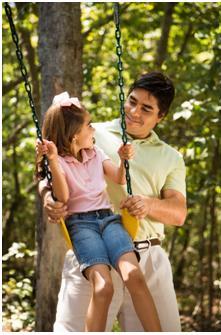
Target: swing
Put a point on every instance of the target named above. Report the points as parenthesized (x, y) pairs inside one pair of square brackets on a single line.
[(31, 103), (130, 223)]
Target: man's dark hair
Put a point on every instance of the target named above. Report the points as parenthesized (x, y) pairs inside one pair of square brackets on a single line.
[(160, 86)]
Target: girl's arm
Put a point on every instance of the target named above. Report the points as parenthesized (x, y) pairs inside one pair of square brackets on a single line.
[(113, 172), (59, 184), (117, 173)]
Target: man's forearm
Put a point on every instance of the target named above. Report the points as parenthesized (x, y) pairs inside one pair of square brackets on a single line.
[(171, 211)]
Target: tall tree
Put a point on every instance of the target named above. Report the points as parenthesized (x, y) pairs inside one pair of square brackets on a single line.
[(60, 55), (165, 30), (193, 61)]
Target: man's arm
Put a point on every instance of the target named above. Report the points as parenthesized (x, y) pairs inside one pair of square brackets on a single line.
[(54, 209), (171, 209)]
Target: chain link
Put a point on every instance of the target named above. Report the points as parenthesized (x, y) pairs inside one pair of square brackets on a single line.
[(121, 85), (29, 92), (27, 85)]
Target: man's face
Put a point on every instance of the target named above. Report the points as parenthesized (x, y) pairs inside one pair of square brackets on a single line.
[(141, 113)]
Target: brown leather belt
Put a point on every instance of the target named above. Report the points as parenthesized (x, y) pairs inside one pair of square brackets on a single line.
[(145, 244)]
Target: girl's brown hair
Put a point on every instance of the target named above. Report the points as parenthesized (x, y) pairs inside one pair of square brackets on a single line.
[(60, 125)]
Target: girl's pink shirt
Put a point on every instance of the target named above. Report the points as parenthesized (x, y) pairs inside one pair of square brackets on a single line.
[(87, 186)]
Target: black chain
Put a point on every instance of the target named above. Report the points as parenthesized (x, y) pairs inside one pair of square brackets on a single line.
[(121, 94), (26, 84)]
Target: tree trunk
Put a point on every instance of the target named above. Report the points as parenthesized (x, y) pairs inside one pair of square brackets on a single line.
[(213, 216), (60, 50), (202, 270), (185, 40), (178, 274), (60, 54), (165, 30), (211, 254), (172, 243)]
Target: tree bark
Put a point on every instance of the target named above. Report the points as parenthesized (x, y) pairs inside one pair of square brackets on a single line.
[(213, 216), (60, 50), (165, 30), (60, 55), (178, 274), (202, 246), (172, 243)]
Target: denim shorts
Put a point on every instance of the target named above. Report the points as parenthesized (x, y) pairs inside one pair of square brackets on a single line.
[(98, 237)]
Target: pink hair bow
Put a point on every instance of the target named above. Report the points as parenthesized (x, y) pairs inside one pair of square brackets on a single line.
[(65, 101)]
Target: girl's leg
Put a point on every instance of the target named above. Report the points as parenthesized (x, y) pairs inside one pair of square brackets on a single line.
[(132, 276), (102, 292)]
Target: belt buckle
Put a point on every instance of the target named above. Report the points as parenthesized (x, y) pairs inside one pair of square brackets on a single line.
[(147, 244)]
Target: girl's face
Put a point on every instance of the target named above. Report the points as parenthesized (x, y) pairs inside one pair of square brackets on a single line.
[(84, 139)]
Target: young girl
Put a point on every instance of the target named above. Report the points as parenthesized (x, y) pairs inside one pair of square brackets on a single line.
[(99, 239)]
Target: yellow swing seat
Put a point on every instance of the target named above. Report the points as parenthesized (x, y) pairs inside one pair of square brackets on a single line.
[(130, 223), (65, 233)]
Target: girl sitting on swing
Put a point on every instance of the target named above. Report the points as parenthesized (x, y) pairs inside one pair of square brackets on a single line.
[(98, 237)]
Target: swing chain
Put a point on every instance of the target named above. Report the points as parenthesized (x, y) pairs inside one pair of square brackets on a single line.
[(121, 85), (27, 85)]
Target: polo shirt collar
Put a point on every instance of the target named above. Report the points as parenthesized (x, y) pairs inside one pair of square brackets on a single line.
[(87, 154), (115, 127)]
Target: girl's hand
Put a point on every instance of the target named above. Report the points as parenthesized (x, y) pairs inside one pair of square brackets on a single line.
[(47, 148), (126, 151)]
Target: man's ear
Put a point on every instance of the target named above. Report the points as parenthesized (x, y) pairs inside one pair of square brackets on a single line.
[(160, 116)]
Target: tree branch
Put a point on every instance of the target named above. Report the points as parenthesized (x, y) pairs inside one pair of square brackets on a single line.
[(12, 139), (104, 20), (165, 30), (31, 187), (7, 87), (186, 38)]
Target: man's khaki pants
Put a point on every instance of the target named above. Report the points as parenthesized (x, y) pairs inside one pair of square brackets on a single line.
[(74, 295)]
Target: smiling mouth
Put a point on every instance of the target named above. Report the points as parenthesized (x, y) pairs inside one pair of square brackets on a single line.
[(132, 120)]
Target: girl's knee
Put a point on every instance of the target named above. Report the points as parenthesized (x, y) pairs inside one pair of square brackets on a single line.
[(134, 280), (104, 290), (102, 287)]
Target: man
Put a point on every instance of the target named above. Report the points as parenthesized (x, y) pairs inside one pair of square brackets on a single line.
[(158, 183)]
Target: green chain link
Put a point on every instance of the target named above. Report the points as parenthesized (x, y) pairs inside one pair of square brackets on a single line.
[(121, 85), (27, 85), (31, 102)]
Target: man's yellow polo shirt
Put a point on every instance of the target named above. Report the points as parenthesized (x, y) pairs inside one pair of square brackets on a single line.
[(155, 167)]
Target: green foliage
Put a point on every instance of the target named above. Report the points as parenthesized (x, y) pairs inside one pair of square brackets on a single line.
[(192, 126), (18, 136), (18, 294), (116, 327)]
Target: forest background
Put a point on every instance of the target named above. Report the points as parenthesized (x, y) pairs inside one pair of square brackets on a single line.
[(182, 39)]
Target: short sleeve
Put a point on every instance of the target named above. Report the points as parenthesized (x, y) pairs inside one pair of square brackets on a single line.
[(62, 164), (101, 153), (176, 179)]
